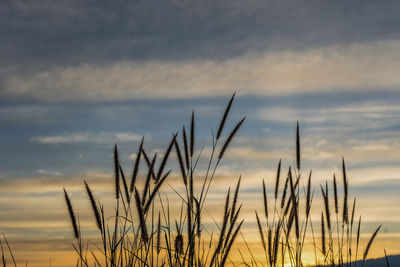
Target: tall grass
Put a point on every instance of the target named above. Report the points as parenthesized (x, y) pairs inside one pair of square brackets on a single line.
[(138, 235), (141, 230), (290, 228)]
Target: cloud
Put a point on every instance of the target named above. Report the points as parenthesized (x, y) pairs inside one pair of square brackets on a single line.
[(364, 119), (74, 51), (71, 138), (326, 151), (31, 113), (53, 181), (127, 137), (87, 138), (40, 34), (360, 66), (48, 172)]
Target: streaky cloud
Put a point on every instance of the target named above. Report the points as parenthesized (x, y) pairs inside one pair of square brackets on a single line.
[(86, 138), (359, 67)]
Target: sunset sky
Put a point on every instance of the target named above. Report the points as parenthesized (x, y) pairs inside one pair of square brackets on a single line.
[(76, 77)]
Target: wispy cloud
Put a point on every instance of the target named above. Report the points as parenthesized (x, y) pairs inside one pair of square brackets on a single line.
[(87, 138), (353, 112), (27, 113), (70, 90), (48, 172), (359, 66)]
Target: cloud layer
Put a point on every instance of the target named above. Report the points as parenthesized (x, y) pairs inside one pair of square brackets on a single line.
[(359, 66), (87, 138), (78, 76)]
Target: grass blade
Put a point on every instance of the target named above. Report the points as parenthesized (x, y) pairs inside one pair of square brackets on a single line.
[(265, 200), (224, 117), (142, 222), (94, 207), (230, 137), (136, 166), (278, 174), (185, 147), (298, 146), (71, 214), (180, 160), (116, 171), (192, 135), (165, 158), (371, 240)]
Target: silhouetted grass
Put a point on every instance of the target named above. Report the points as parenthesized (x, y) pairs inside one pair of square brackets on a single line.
[(141, 231), (139, 242)]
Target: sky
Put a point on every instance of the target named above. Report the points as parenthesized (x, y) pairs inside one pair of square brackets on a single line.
[(77, 77)]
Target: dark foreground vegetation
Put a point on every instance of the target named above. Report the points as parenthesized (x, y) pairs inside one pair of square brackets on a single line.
[(142, 232)]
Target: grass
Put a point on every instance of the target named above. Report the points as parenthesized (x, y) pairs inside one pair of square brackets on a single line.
[(142, 232)]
